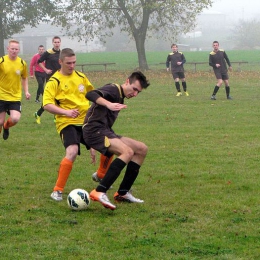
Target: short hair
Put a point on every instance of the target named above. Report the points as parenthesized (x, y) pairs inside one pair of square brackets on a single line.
[(41, 46), (66, 52), (13, 41), (56, 37), (138, 75), (216, 42), (174, 44)]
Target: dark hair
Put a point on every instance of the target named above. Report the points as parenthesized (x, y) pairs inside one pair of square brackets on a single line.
[(66, 52), (174, 44), (216, 42), (138, 75), (56, 37), (40, 46)]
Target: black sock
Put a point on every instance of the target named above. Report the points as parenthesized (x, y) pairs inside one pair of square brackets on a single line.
[(184, 85), (131, 174), (227, 90), (177, 85), (112, 174), (40, 111), (215, 90)]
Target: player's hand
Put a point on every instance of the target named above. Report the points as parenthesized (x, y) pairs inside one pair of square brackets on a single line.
[(230, 68), (167, 69), (116, 106), (93, 156), (47, 71), (27, 95), (72, 113)]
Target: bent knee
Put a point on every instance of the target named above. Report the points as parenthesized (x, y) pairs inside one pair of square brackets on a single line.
[(143, 149)]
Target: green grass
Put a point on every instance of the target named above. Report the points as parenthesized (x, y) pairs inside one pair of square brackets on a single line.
[(200, 180)]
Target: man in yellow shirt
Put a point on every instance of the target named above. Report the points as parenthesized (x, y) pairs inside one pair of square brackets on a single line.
[(13, 75), (64, 96)]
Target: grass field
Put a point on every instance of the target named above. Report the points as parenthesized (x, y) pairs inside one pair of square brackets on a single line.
[(200, 181)]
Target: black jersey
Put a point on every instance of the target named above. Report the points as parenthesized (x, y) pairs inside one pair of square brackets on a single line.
[(99, 117), (219, 57), (51, 58), (173, 58)]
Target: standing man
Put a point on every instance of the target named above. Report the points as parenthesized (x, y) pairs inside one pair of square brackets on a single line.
[(218, 59), (51, 65), (13, 76), (98, 134), (64, 96), (38, 71), (177, 59)]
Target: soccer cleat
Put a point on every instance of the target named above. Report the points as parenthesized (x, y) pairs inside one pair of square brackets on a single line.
[(95, 177), (56, 195), (38, 118), (178, 94), (102, 198), (186, 93), (128, 197), (229, 97), (37, 101), (213, 97), (5, 134)]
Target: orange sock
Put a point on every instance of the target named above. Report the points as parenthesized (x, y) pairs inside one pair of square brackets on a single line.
[(103, 165), (8, 123), (63, 174)]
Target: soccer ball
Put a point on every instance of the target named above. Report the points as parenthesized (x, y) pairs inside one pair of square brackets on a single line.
[(78, 199)]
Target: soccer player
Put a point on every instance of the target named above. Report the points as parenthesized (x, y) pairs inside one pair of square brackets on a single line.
[(64, 96), (177, 59), (38, 71), (13, 75), (49, 62), (98, 134), (218, 59)]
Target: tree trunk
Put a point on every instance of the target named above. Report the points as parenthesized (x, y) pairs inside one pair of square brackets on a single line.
[(2, 50), (140, 47)]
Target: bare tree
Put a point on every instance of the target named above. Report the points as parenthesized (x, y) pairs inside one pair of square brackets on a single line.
[(15, 15), (139, 18), (247, 34)]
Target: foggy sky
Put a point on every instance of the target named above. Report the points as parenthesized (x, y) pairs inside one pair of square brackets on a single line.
[(237, 9)]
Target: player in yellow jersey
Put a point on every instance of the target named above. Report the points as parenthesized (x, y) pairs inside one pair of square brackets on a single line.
[(64, 96), (13, 76)]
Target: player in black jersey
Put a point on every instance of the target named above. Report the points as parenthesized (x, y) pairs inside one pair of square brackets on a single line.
[(51, 59), (218, 59)]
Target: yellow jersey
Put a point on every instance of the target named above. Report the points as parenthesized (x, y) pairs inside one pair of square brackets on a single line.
[(11, 73), (68, 92)]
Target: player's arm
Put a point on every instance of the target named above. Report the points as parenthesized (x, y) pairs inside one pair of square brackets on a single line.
[(96, 97), (168, 62), (183, 59), (49, 103), (32, 66), (227, 60), (211, 62), (26, 88)]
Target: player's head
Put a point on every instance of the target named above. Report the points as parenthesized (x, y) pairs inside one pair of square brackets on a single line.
[(41, 49), (174, 47), (13, 48), (134, 84), (215, 45), (56, 40), (67, 61)]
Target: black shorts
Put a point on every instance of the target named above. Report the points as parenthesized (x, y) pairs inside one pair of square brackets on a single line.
[(99, 139), (6, 106), (221, 75), (72, 134), (178, 75)]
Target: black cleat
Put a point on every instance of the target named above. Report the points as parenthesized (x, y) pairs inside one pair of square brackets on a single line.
[(5, 134), (213, 97)]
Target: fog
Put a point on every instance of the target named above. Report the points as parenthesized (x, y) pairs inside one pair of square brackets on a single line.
[(237, 9)]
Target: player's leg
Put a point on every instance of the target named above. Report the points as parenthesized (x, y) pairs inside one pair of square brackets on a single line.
[(70, 139), (227, 88), (132, 170), (102, 169), (218, 85), (177, 85), (13, 119)]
